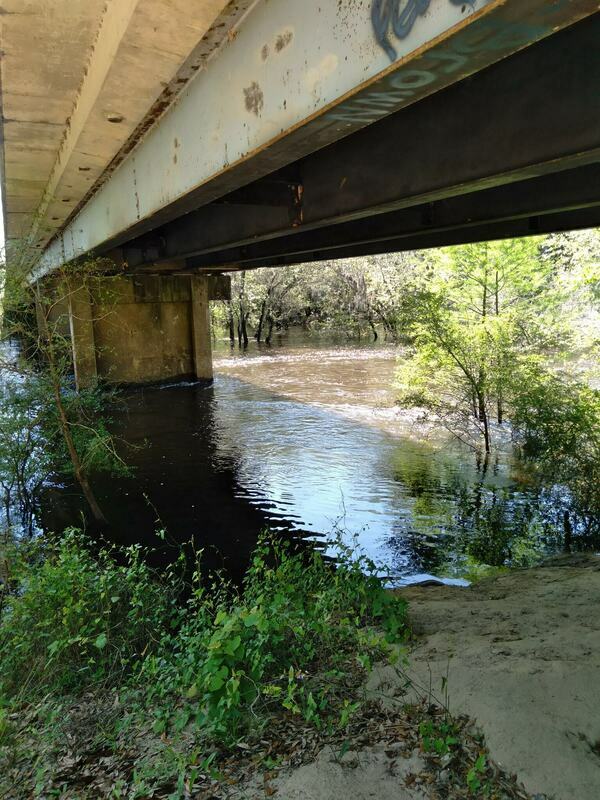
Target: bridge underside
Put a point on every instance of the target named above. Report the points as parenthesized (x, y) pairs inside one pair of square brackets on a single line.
[(280, 142), (511, 151)]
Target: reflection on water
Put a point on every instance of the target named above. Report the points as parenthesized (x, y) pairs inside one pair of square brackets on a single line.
[(300, 438)]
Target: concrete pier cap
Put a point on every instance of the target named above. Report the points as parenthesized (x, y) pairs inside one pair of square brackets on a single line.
[(140, 329)]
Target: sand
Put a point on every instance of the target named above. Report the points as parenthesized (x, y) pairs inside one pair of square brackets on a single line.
[(367, 774), (522, 657)]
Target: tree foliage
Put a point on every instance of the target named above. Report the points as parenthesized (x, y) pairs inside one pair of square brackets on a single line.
[(355, 297), (556, 422), (487, 308)]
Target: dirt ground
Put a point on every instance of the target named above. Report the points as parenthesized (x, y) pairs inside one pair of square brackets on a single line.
[(521, 653)]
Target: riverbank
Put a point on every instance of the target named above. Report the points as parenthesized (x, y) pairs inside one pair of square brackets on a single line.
[(495, 694), (519, 654)]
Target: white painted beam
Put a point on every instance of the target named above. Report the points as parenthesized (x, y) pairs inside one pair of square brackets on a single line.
[(114, 25), (135, 60), (298, 76)]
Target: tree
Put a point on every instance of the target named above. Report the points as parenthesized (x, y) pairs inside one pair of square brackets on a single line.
[(353, 297), (25, 461), (483, 304), (274, 291), (71, 422), (556, 423)]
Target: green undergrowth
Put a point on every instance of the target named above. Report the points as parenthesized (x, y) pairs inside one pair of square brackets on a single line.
[(200, 665)]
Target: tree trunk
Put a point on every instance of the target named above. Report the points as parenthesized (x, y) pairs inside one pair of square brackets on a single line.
[(486, 429), (373, 328), (74, 456), (244, 330), (261, 321), (231, 324), (474, 405), (500, 404), (64, 423), (568, 529), (481, 401), (271, 322)]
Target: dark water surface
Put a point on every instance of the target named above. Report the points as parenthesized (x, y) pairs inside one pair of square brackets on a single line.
[(302, 438)]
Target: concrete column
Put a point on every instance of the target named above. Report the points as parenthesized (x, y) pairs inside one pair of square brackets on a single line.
[(201, 342), (82, 337)]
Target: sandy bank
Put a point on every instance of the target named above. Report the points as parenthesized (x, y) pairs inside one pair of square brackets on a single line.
[(522, 655)]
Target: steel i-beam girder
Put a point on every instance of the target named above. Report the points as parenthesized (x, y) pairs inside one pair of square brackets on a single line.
[(298, 77), (519, 140)]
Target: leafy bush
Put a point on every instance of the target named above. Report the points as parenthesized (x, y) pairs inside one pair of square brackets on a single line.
[(75, 618), (556, 422), (298, 628), (296, 635)]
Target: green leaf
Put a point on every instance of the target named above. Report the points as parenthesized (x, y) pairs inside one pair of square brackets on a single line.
[(231, 646), (218, 679), (481, 763), (101, 641)]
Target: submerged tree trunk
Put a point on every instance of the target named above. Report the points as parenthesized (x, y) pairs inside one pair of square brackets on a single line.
[(230, 323), (242, 329), (483, 417), (486, 433), (271, 323), (261, 321), (373, 328)]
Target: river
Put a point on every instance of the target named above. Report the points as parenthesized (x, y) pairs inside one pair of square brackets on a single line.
[(304, 438)]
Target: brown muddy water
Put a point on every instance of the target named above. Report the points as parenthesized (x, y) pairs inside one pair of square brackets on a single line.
[(303, 437)]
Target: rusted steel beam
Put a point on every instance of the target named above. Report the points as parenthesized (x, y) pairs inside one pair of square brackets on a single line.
[(534, 114), (504, 229), (297, 77), (563, 192)]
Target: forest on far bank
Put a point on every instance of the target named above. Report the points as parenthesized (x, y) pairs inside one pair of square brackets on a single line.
[(381, 296)]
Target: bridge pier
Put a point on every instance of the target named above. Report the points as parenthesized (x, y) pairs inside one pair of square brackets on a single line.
[(200, 313), (141, 329), (81, 325)]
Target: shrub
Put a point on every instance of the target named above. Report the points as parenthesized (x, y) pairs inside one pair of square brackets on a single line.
[(295, 632), (75, 618), (297, 635)]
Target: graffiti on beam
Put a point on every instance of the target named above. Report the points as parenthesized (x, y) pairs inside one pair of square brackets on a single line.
[(400, 16)]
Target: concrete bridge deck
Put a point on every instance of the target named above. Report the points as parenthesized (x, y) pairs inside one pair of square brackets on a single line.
[(201, 136)]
